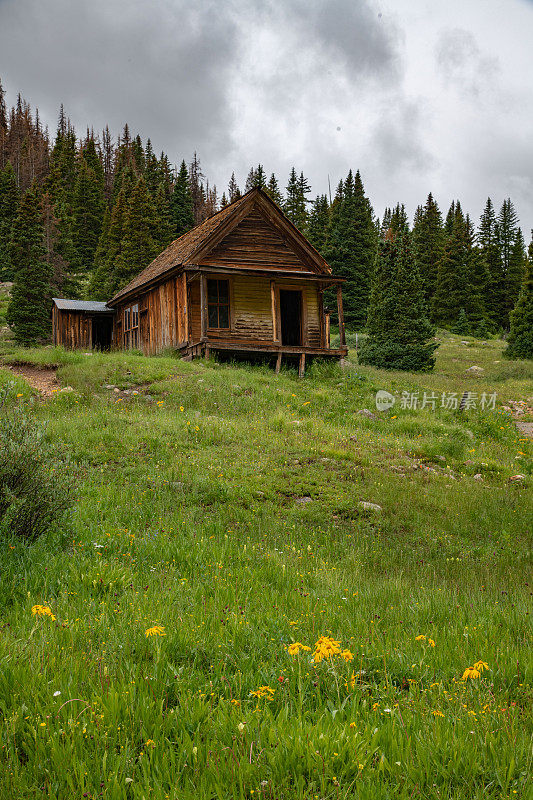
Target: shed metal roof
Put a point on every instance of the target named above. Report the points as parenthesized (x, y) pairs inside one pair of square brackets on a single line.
[(80, 305)]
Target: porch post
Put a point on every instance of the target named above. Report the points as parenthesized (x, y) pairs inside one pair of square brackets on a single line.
[(203, 308), (341, 316)]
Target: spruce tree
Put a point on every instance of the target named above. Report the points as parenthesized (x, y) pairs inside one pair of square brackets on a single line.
[(165, 223), (256, 179), (104, 282), (520, 341), (400, 335), (352, 246), (295, 205), (139, 242), (317, 228), (233, 189), (9, 198), (273, 190), (451, 290), (88, 204), (428, 244), (515, 273), (488, 240), (28, 313), (181, 203)]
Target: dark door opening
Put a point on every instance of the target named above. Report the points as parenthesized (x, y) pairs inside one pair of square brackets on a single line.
[(290, 304), (102, 331)]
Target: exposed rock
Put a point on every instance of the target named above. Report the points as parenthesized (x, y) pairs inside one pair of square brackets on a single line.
[(517, 478), (478, 476), (475, 370), (365, 412), (369, 506), (116, 389), (67, 389), (301, 501)]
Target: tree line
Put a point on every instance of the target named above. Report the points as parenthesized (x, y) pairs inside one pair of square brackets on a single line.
[(80, 217)]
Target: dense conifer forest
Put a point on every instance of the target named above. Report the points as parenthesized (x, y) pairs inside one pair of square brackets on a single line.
[(81, 215)]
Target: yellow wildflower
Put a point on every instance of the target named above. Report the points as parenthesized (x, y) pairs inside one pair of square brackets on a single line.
[(325, 648), (420, 638), (263, 691), (149, 743), (156, 630), (470, 672), (294, 648), (437, 713), (350, 684), (42, 611), (431, 642), (481, 665), (347, 655)]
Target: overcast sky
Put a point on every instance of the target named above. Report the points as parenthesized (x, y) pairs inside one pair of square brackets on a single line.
[(420, 95)]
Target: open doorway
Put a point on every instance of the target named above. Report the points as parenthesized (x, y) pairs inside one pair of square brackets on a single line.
[(102, 331), (290, 304)]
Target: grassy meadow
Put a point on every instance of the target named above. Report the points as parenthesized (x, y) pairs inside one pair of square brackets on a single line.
[(218, 512)]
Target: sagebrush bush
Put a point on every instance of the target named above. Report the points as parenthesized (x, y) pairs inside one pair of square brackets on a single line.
[(35, 489)]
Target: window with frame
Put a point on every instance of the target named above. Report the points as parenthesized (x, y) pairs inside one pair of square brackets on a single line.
[(218, 315), (131, 326)]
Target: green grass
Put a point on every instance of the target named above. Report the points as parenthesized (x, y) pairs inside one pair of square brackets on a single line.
[(190, 516)]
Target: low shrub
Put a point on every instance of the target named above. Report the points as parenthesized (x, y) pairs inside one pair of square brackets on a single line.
[(35, 488)]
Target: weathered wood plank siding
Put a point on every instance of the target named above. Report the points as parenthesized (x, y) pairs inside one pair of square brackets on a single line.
[(71, 329), (254, 243), (162, 317)]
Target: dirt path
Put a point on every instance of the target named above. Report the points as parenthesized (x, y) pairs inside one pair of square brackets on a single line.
[(44, 380), (524, 428)]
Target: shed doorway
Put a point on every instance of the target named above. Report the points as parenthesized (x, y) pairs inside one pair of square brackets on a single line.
[(290, 305), (102, 331)]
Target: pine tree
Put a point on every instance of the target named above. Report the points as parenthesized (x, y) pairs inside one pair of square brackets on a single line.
[(273, 190), (428, 244), (400, 334), (60, 252), (181, 203), (224, 200), (451, 290), (317, 228), (165, 222), (28, 312), (9, 198), (104, 282), (139, 243), (520, 341), (488, 240), (399, 221), (88, 205), (295, 206), (516, 269), (233, 189), (256, 179), (462, 326), (352, 247)]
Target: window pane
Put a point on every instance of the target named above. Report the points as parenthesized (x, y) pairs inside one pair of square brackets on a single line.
[(213, 317), (223, 316), (212, 294), (223, 291)]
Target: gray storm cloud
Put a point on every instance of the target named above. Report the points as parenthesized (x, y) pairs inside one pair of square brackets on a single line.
[(407, 93)]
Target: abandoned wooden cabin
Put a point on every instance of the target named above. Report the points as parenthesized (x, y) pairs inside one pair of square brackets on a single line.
[(245, 281), (85, 324)]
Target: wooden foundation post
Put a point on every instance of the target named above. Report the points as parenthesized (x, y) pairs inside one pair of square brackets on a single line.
[(301, 366), (278, 363)]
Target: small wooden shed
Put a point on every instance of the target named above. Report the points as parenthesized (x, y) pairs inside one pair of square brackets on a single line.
[(244, 281), (85, 324)]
